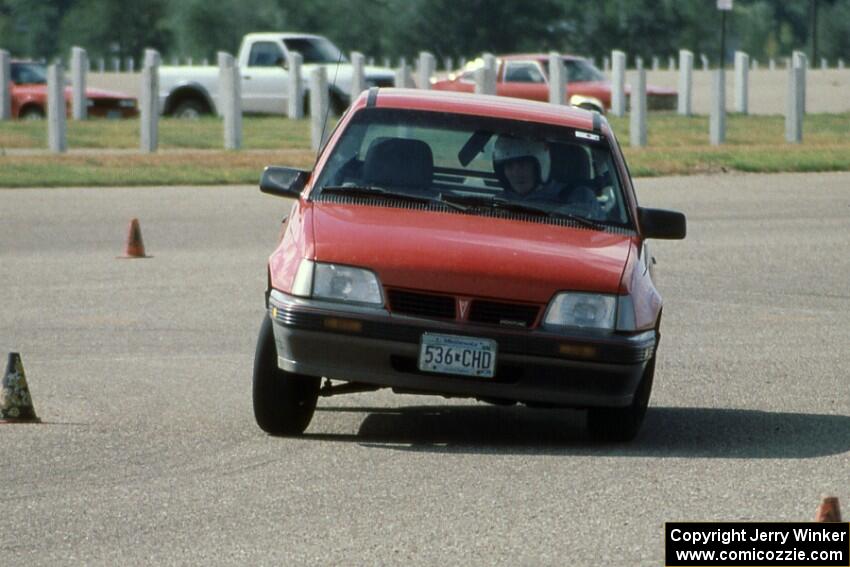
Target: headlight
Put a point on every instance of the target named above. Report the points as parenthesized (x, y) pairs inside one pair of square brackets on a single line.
[(584, 310), (337, 283)]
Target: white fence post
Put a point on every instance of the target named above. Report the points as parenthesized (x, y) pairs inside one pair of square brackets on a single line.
[(448, 64), (5, 79), (57, 139), (824, 63), (618, 83), (130, 65), (230, 100), (841, 63), (794, 110), (358, 76), (79, 68), (800, 60), (484, 83), (717, 122), (671, 63), (656, 63), (704, 58), (403, 78), (492, 71), (427, 64), (319, 105), (149, 102), (557, 79), (771, 64), (742, 78), (295, 86), (686, 82), (637, 120)]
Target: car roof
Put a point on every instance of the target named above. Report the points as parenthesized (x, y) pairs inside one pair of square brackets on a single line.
[(482, 105), (282, 35), (539, 56)]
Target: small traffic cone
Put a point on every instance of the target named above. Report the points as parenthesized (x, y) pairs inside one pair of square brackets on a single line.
[(15, 399), (828, 511), (135, 245)]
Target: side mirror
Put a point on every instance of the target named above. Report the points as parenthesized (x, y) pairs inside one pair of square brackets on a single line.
[(283, 181), (281, 62), (660, 223)]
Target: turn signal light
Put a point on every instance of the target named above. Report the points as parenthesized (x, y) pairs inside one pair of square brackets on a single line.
[(577, 351)]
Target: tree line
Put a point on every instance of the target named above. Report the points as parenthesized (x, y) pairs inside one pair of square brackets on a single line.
[(46, 29)]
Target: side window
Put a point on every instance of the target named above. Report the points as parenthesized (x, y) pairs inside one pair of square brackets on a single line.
[(523, 72), (265, 54)]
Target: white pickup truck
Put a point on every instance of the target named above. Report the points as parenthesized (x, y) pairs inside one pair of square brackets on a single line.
[(263, 60)]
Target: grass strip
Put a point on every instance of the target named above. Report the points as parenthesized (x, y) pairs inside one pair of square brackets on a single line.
[(190, 150)]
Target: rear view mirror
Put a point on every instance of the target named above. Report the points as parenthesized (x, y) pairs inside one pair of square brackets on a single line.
[(660, 223), (283, 181)]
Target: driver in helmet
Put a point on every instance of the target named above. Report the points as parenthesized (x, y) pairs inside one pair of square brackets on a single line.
[(523, 166)]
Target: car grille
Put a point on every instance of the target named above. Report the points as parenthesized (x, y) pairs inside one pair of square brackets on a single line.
[(437, 306), (421, 304)]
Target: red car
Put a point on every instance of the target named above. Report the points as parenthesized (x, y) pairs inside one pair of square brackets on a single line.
[(29, 96), (466, 246), (527, 76)]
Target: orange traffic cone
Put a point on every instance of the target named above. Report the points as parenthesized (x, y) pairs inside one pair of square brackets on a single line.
[(135, 245), (15, 399), (828, 511)]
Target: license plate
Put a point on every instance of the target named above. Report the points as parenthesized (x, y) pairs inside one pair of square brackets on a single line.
[(452, 354)]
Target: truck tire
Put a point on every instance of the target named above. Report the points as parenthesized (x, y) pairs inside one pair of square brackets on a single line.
[(190, 109)]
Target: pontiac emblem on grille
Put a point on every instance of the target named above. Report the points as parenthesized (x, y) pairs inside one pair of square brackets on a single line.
[(464, 307)]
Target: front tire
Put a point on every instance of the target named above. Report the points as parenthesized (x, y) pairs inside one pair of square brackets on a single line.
[(190, 109), (283, 402), (623, 424)]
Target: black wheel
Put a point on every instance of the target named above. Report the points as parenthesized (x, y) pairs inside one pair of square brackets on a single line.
[(190, 109), (32, 113), (283, 402), (623, 424)]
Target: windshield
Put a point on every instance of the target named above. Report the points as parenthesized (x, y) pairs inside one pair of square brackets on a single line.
[(28, 74), (477, 163), (315, 50)]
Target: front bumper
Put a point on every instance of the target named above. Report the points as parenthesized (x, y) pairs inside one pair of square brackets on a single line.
[(373, 346)]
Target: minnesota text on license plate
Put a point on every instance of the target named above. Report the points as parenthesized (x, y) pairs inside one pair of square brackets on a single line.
[(453, 354)]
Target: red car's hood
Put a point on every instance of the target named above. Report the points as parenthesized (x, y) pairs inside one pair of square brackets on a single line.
[(469, 255)]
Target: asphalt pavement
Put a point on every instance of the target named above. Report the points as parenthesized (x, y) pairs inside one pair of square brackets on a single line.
[(148, 452)]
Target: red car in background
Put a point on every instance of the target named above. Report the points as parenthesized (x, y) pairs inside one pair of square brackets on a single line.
[(29, 95), (527, 76)]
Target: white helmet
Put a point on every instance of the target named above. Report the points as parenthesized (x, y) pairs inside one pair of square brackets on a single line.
[(508, 148)]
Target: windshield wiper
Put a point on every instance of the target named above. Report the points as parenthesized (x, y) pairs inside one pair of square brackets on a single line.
[(377, 191), (521, 207)]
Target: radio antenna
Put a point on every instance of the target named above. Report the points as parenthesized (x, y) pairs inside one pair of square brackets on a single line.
[(328, 110)]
